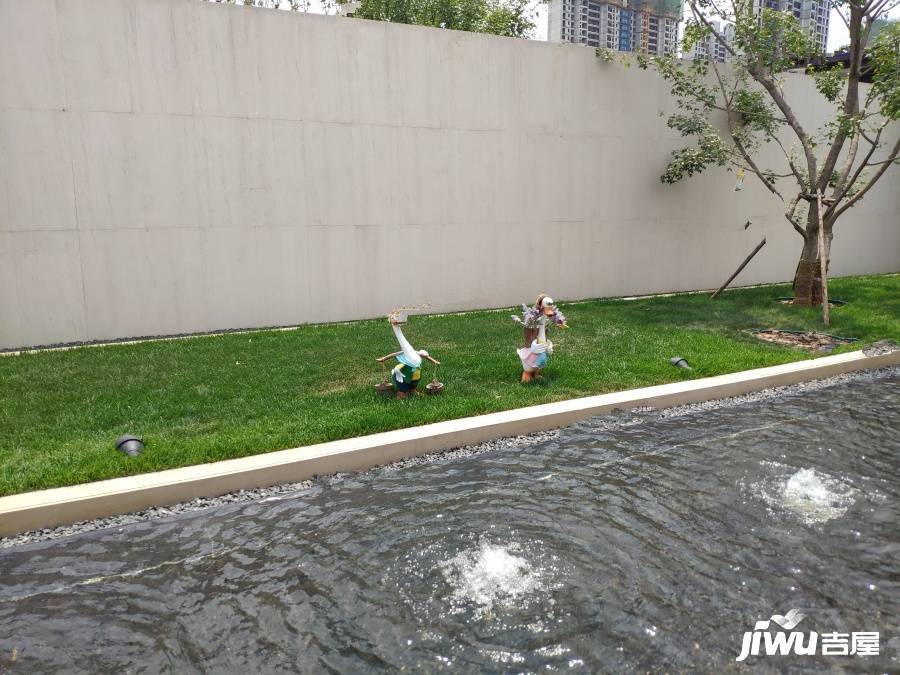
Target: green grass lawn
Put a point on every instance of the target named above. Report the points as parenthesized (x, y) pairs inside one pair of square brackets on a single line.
[(213, 398)]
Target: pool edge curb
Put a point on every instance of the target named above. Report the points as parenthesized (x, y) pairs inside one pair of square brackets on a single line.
[(66, 505)]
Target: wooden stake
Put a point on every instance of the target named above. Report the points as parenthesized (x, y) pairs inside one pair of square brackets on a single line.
[(823, 264), (738, 270)]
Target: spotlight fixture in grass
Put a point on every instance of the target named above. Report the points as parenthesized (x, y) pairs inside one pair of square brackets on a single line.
[(129, 445), (680, 362)]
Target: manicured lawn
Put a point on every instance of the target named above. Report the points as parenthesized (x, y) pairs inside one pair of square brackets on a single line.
[(213, 398)]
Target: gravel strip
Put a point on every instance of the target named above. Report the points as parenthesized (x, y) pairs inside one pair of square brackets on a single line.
[(777, 392), (292, 489)]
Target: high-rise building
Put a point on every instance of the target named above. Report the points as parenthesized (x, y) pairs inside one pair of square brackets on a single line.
[(711, 48), (813, 16), (647, 26)]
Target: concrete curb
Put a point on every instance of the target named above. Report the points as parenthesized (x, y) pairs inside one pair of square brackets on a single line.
[(62, 506)]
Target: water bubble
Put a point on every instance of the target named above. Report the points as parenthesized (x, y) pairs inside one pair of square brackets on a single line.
[(491, 574), (817, 497), (813, 496)]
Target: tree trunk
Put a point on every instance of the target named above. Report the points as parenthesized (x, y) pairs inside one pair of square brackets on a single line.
[(808, 277)]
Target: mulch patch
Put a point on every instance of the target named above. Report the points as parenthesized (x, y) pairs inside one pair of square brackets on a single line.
[(808, 340), (832, 302)]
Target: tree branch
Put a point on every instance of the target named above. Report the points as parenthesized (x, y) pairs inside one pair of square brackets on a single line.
[(789, 214), (790, 161), (734, 135), (894, 154), (836, 7), (841, 190), (769, 85), (848, 164), (874, 8), (719, 38), (885, 161), (858, 38)]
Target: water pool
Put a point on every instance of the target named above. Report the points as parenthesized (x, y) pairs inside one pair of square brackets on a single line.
[(640, 541)]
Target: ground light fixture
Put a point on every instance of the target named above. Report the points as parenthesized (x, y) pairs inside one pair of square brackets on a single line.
[(129, 445), (680, 362)]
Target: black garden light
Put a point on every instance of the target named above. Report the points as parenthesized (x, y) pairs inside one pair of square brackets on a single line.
[(680, 362), (130, 445)]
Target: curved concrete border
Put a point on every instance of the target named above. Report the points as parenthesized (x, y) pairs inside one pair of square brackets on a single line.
[(62, 506)]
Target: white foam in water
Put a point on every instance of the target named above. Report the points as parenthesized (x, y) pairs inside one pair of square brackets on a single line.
[(817, 497), (490, 575), (813, 496)]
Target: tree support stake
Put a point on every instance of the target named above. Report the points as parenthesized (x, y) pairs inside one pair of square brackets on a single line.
[(823, 263), (738, 270)]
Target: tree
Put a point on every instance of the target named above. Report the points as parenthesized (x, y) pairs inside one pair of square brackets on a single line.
[(820, 171), (328, 6), (512, 18)]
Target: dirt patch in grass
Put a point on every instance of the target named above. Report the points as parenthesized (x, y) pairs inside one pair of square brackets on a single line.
[(832, 302), (806, 340)]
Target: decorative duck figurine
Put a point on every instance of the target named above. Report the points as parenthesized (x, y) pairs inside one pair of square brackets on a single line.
[(406, 374), (536, 352)]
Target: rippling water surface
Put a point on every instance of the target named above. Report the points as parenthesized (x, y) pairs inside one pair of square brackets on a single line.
[(633, 542)]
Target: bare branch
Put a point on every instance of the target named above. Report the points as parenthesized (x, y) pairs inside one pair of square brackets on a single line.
[(859, 35), (770, 86), (848, 164), (790, 161), (836, 7), (875, 8), (842, 188), (728, 16), (789, 214), (894, 154), (877, 139), (732, 114), (886, 161), (753, 167)]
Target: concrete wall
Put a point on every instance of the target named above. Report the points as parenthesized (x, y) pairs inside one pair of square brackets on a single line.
[(171, 166)]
